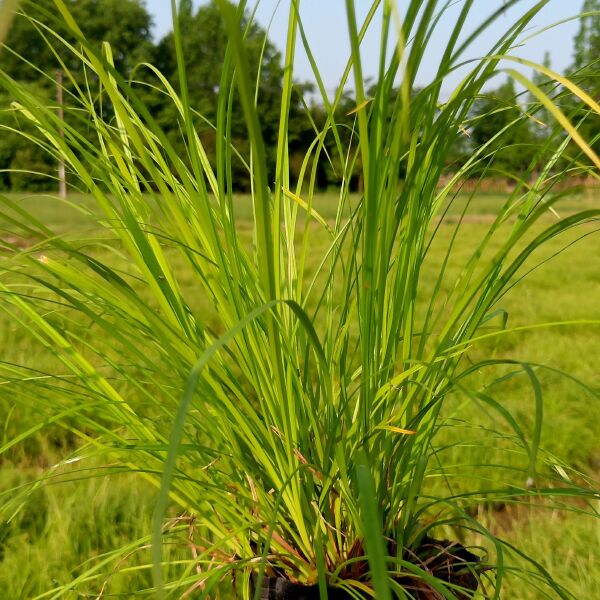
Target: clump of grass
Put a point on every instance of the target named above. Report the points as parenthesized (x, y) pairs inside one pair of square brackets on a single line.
[(299, 428)]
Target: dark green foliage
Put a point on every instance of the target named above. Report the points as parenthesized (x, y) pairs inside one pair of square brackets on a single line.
[(125, 24), (28, 57), (496, 111), (24, 165), (587, 47), (542, 123), (585, 70), (204, 42)]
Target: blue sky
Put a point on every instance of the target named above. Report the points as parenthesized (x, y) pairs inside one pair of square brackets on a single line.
[(325, 25)]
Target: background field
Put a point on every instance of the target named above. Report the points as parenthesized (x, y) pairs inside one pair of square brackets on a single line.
[(61, 526)]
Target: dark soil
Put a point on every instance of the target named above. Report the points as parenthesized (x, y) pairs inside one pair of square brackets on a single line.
[(447, 561)]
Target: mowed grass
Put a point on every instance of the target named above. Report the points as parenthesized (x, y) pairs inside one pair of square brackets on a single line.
[(73, 215), (44, 542)]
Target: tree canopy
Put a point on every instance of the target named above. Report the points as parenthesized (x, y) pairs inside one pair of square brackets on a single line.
[(585, 70), (125, 24), (500, 110), (33, 54), (204, 44), (587, 47)]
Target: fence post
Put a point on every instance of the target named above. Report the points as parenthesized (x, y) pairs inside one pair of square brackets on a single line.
[(62, 179)]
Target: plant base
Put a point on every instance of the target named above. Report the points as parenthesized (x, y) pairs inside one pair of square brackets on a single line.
[(449, 562)]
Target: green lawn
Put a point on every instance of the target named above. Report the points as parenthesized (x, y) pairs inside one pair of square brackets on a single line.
[(69, 215), (61, 526)]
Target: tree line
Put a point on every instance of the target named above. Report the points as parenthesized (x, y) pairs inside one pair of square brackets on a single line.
[(37, 49)]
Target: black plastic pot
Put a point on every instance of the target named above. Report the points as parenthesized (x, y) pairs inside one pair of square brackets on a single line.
[(448, 561), (278, 588)]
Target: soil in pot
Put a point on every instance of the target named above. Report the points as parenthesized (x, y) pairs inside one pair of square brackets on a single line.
[(448, 561)]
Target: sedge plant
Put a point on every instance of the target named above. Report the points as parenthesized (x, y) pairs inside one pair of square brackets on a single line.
[(292, 407)]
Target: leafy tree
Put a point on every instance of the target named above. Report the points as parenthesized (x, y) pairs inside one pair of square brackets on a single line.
[(204, 41), (125, 24), (28, 57), (23, 164), (304, 123), (543, 121), (494, 112), (587, 47), (584, 71), (333, 167)]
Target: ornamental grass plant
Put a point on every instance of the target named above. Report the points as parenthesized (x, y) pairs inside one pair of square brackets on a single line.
[(295, 415)]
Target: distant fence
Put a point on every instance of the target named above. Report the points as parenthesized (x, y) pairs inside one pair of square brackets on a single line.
[(501, 186)]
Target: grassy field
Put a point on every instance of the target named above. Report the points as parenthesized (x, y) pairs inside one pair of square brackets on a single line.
[(72, 216), (44, 542)]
